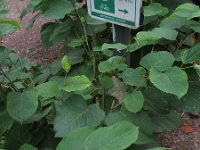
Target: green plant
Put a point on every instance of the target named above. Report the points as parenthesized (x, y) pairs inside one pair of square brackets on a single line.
[(6, 25), (91, 99)]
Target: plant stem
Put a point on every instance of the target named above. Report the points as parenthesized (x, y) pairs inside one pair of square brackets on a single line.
[(1, 40), (32, 82), (13, 86), (83, 44), (103, 100), (94, 65), (112, 106), (84, 30)]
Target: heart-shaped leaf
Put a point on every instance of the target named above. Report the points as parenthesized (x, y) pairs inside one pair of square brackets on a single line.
[(75, 113), (21, 106), (133, 101), (116, 137), (57, 9), (75, 139), (76, 83), (48, 89), (160, 61), (173, 81)]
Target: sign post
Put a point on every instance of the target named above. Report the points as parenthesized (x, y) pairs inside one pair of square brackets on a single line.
[(124, 14), (121, 35)]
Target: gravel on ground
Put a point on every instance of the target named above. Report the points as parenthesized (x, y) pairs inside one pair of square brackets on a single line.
[(28, 42)]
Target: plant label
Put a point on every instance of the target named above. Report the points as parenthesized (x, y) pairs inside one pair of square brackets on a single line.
[(122, 12)]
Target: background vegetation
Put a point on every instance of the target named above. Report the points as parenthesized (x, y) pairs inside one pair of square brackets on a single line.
[(90, 99)]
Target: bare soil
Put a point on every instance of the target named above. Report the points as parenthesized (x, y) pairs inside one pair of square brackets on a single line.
[(180, 140), (28, 43)]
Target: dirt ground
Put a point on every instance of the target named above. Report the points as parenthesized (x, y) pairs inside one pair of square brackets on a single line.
[(28, 43), (182, 139)]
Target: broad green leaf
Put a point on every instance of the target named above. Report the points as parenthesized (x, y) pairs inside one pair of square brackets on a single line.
[(172, 4), (10, 22), (75, 113), (195, 14), (187, 6), (96, 48), (152, 37), (3, 3), (133, 77), (113, 46), (48, 89), (113, 63), (4, 53), (108, 53), (60, 31), (173, 22), (155, 9), (75, 139), (186, 10), (106, 82), (160, 61), (191, 55), (166, 122), (3, 12), (34, 3), (76, 83), (116, 137), (14, 133), (133, 101), (85, 68), (156, 101), (6, 122), (140, 119), (6, 28), (191, 101), (66, 63), (22, 63), (166, 33), (27, 147), (75, 54), (143, 139), (149, 38), (58, 9), (55, 32), (17, 75), (106, 66), (173, 81), (194, 25), (45, 34), (21, 106), (75, 43), (94, 29), (151, 19)]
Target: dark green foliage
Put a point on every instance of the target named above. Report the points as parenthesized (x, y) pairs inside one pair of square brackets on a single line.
[(91, 99)]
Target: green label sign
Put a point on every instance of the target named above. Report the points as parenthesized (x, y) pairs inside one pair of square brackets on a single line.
[(122, 12), (106, 6)]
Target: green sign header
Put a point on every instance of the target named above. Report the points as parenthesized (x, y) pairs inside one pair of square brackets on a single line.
[(122, 12)]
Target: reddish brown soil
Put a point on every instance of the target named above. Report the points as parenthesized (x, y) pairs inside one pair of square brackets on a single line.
[(180, 140), (27, 42)]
